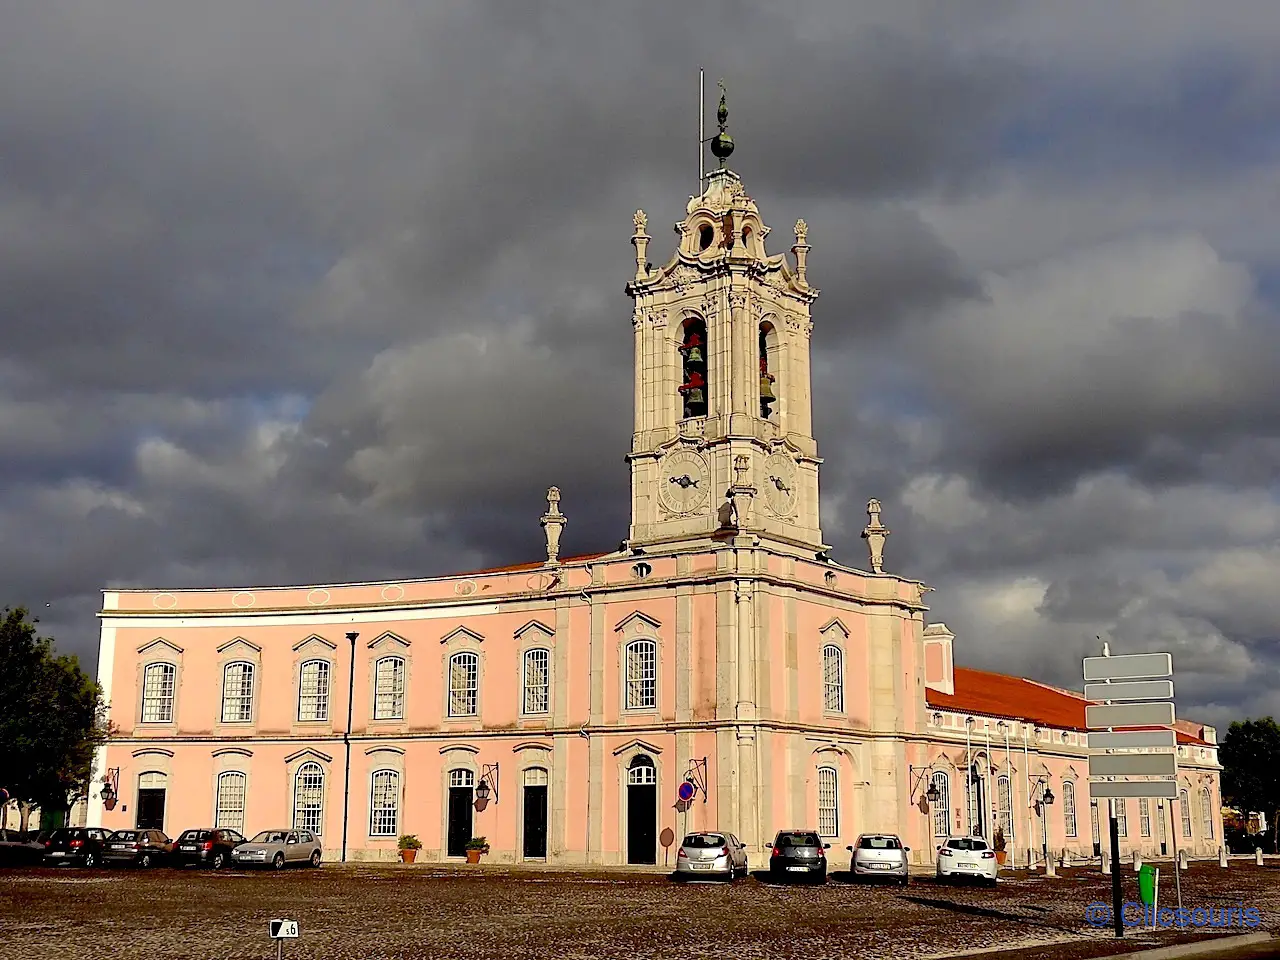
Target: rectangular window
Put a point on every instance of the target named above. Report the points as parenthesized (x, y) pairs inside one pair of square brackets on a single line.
[(642, 675), (1122, 817), (1004, 807), (537, 681), (1144, 816), (237, 693), (388, 689), (1069, 808), (1184, 805), (313, 691), (157, 693), (385, 804), (833, 679), (942, 806), (828, 803), (231, 790), (464, 684)]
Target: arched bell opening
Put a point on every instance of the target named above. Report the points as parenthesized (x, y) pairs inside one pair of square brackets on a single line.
[(693, 387), (768, 365)]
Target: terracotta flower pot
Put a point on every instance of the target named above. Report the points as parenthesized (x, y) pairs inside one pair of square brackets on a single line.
[(1001, 856), (408, 856), (473, 856)]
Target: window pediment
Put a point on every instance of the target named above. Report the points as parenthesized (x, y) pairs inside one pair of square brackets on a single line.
[(160, 645), (532, 745), (461, 633), (232, 752), (535, 627), (635, 623), (153, 752), (389, 640), (835, 630), (308, 754), (241, 646), (315, 640), (384, 748), (459, 748), (637, 744)]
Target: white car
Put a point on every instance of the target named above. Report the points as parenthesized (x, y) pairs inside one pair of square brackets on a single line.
[(970, 857)]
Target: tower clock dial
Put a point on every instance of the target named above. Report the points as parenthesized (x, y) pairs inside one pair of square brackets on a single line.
[(779, 484), (683, 481)]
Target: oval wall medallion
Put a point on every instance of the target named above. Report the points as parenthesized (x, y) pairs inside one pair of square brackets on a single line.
[(392, 591), (317, 597), (539, 581), (244, 599), (165, 601), (464, 588)]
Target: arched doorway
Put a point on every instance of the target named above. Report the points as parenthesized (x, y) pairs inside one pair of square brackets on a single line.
[(642, 811), (535, 813), (458, 832), (151, 792)]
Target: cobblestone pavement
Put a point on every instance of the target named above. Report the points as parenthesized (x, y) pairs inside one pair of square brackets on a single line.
[(392, 912)]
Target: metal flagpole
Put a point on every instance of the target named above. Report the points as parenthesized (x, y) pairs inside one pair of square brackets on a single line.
[(702, 110), (1008, 776), (991, 803), (968, 775), (1026, 763)]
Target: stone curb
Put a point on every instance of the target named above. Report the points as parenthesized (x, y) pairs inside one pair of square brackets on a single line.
[(1214, 945)]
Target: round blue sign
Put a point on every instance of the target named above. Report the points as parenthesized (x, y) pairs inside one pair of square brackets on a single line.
[(687, 791)]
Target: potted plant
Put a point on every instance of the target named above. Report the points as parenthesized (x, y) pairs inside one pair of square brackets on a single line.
[(998, 842), (475, 847), (409, 845)]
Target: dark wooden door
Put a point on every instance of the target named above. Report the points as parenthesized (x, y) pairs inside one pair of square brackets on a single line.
[(535, 822), (151, 809), (459, 820), (642, 820)]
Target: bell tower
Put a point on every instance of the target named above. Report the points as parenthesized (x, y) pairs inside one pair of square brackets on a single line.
[(723, 441)]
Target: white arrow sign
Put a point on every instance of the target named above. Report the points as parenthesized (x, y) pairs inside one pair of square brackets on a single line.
[(1133, 765), (1129, 690), (1100, 716), (1130, 666), (1116, 789), (1133, 740)]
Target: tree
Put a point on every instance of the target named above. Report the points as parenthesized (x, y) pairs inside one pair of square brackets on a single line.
[(52, 719), (1250, 755)]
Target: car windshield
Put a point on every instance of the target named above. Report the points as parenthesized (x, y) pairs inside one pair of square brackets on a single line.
[(190, 836), (269, 836), (125, 835), (798, 840), (880, 843), (966, 844), (703, 841)]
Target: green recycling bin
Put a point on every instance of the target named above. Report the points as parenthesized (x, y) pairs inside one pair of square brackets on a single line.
[(1147, 883)]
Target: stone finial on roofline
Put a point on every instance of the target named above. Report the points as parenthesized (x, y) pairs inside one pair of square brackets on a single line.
[(875, 534), (553, 522)]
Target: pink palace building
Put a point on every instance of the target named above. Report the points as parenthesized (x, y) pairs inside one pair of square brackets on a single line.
[(556, 707)]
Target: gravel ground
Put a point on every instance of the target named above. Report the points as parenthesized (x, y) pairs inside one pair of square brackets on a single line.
[(392, 912)]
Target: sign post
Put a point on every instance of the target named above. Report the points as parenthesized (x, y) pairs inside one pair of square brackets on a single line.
[(282, 930)]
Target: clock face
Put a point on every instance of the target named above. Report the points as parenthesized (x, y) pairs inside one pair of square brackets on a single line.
[(779, 484), (682, 482)]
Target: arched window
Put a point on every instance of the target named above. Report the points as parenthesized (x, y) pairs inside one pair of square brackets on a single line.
[(1069, 808), (1184, 803), (694, 389), (462, 777), (157, 693), (828, 802), (942, 806), (537, 680), (229, 811), (535, 777), (1004, 807), (313, 690), (388, 689), (641, 772), (1206, 812), (237, 692), (832, 678), (1144, 816), (768, 377), (464, 684), (308, 798), (1122, 817), (641, 681), (384, 803)]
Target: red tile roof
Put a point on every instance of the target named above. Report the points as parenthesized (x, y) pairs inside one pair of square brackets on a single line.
[(533, 565), (1016, 698)]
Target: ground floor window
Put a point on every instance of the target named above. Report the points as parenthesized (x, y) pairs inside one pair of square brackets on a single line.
[(230, 806), (308, 798), (384, 806), (828, 803)]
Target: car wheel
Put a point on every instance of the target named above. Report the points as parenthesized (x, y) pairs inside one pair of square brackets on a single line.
[(218, 861), (905, 880), (144, 861), (90, 860), (991, 882), (315, 859), (277, 861)]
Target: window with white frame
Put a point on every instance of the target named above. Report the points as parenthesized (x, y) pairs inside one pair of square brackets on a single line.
[(1144, 816), (308, 798), (1206, 813), (460, 777), (1069, 808), (464, 684), (229, 812), (1122, 817), (237, 692), (641, 772), (157, 693), (384, 803), (641, 658), (942, 806), (537, 680), (833, 678), (828, 802), (1004, 807), (313, 690), (1184, 804), (388, 689)]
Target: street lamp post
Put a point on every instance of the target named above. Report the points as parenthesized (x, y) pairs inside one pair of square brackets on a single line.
[(1045, 801)]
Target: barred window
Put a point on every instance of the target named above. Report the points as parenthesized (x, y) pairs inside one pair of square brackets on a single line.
[(1206, 813), (828, 803), (1144, 816), (1069, 808), (642, 674), (313, 690), (464, 684), (833, 678), (237, 693), (308, 798), (1122, 817), (1184, 804), (942, 809), (1004, 807), (384, 805), (388, 689), (230, 806), (537, 681), (157, 693)]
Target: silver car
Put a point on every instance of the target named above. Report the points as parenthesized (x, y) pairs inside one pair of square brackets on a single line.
[(278, 849), (711, 855), (879, 856), (967, 857)]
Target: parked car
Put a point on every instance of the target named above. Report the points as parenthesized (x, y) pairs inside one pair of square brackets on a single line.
[(143, 848), (20, 848), (206, 846), (82, 845), (970, 857), (279, 848), (798, 853), (711, 855), (879, 856)]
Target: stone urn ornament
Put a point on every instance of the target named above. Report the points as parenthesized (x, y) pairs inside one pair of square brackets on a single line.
[(875, 533)]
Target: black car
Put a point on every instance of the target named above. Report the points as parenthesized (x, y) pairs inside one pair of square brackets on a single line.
[(798, 854), (206, 847), (82, 845), (146, 848), (18, 848)]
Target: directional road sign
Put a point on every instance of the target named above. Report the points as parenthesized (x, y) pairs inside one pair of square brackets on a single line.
[(284, 929), (1133, 765), (1129, 690), (1130, 666), (1133, 740), (1099, 716), (1117, 789)]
